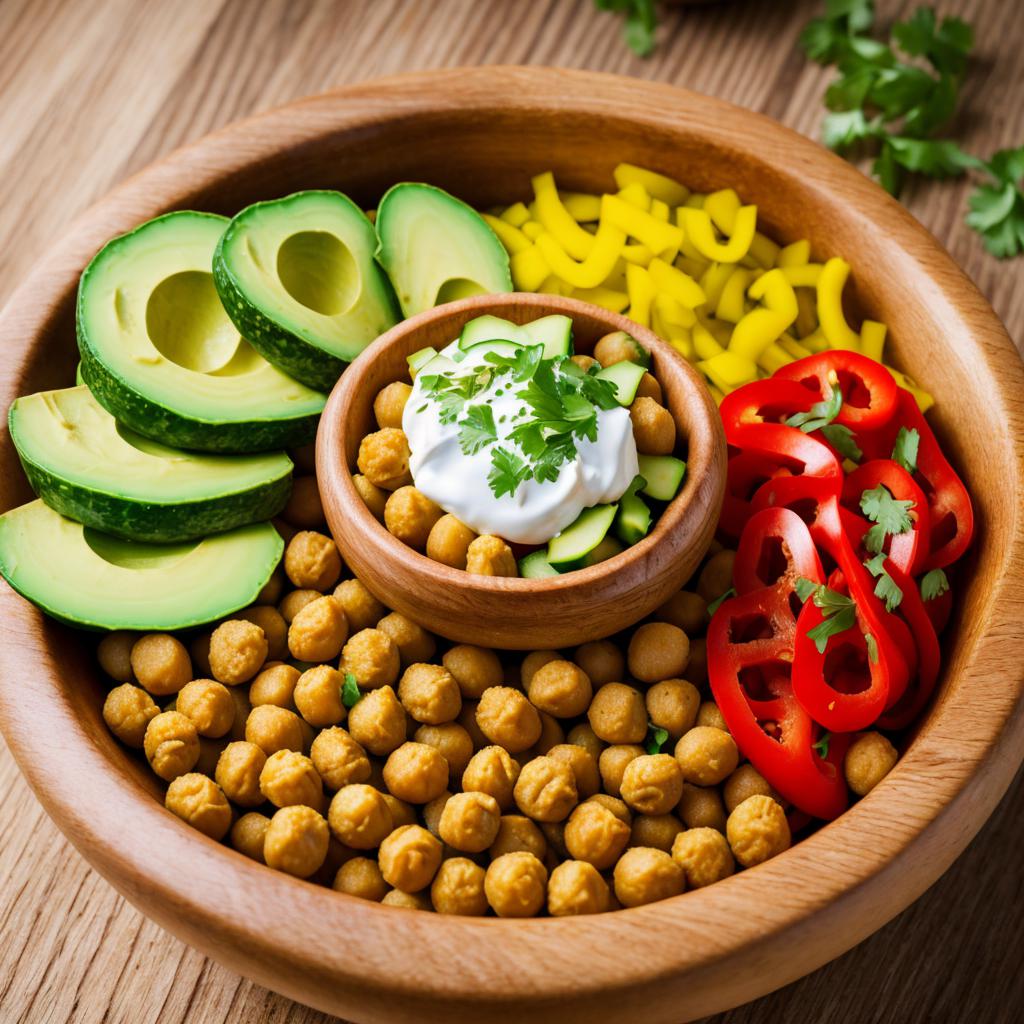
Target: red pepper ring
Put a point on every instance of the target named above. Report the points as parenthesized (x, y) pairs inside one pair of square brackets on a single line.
[(787, 447), (746, 473), (774, 551), (764, 401), (869, 390)]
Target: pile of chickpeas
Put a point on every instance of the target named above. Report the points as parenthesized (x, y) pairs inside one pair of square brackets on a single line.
[(463, 780), (385, 483)]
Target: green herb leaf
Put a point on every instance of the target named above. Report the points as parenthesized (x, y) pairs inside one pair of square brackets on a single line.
[(886, 589), (508, 471), (839, 611), (935, 158), (805, 588), (946, 45), (934, 584), (820, 414), (872, 645), (997, 205), (822, 745), (841, 438), (904, 450), (826, 39), (891, 517), (718, 601), (350, 692), (476, 429), (641, 21), (656, 738), (837, 623)]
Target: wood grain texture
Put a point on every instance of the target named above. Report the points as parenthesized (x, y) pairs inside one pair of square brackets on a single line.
[(518, 614), (75, 76)]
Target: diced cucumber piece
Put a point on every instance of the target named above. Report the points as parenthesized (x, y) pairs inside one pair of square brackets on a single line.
[(664, 475), (439, 364), (535, 566), (553, 332), (608, 548), (578, 539), (420, 358), (487, 328), (499, 347), (633, 521), (626, 377)]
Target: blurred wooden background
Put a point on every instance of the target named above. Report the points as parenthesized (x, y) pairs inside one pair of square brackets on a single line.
[(92, 91)]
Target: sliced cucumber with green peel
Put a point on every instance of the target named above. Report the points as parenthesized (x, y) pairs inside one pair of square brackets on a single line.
[(626, 377), (160, 354), (578, 539), (299, 279), (90, 579), (87, 466), (507, 349), (664, 475), (608, 548), (438, 364), (535, 566), (633, 521), (420, 358), (553, 332)]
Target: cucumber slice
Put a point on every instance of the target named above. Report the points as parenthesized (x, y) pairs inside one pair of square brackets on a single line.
[(608, 548), (420, 358), (498, 347), (553, 332), (487, 328), (578, 539), (664, 475), (626, 377), (535, 566), (439, 364), (633, 521)]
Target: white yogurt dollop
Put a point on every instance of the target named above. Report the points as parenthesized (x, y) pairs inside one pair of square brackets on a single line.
[(600, 473)]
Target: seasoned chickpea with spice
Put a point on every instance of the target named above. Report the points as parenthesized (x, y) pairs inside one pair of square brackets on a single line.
[(707, 756), (583, 735), (198, 801), (360, 817), (275, 684), (716, 576), (602, 661), (430, 694), (596, 835), (272, 729), (658, 831), (516, 885), (338, 759), (390, 402), (619, 347), (128, 710), (209, 705), (374, 497), (294, 601), (613, 762), (517, 833), (508, 719), (416, 773), (561, 689), (414, 643), (745, 781), (312, 562), (868, 760), (469, 822), (449, 540), (452, 741), (410, 516), (704, 856), (114, 653), (657, 651), (318, 696), (238, 650), (408, 900), (701, 807), (617, 714), (296, 841), (275, 629), (171, 744), (474, 669), (575, 888), (685, 609), (458, 888), (488, 555), (409, 858), (362, 610), (757, 830), (361, 877), (672, 705), (249, 834), (378, 722), (288, 778), (643, 875), (238, 773), (583, 765), (654, 429), (492, 770), (546, 789), (318, 631), (160, 664), (652, 783), (372, 657), (710, 714), (384, 458)]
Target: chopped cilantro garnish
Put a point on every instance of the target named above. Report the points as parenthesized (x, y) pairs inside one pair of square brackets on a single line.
[(933, 584), (822, 745), (718, 601), (350, 693), (656, 738), (890, 516), (476, 429), (838, 610), (508, 471), (820, 414), (904, 451), (886, 589), (841, 438)]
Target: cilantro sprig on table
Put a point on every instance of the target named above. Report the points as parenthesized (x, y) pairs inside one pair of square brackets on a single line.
[(641, 19)]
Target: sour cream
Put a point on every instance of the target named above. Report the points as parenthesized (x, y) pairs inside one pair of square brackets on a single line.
[(600, 473)]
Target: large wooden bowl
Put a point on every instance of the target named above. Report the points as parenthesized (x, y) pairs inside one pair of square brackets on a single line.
[(482, 133), (493, 611)]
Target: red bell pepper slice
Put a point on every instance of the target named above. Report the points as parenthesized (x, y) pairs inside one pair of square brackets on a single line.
[(764, 401), (746, 473), (939, 609), (775, 550)]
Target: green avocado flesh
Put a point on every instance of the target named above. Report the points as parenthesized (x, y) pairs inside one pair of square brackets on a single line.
[(436, 249), (90, 579), (86, 465), (160, 354), (298, 278)]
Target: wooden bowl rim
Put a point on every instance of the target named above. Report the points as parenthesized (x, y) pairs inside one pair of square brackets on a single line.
[(336, 477), (224, 898)]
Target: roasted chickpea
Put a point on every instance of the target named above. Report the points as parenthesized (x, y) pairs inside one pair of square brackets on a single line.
[(507, 718), (209, 705), (432, 812), (672, 705), (716, 576), (697, 666), (458, 888), (602, 661), (414, 643), (655, 830), (745, 781), (401, 812), (362, 610), (171, 744), (384, 458), (275, 629), (359, 817), (374, 497), (288, 778), (238, 771), (243, 708), (533, 662), (389, 404), (584, 362), (275, 685), (114, 653), (619, 347), (657, 651), (516, 885), (546, 789), (430, 694), (515, 833), (372, 657), (707, 756), (294, 601), (209, 753), (454, 744), (409, 858), (757, 830), (304, 510), (410, 516), (318, 631), (595, 835), (551, 735), (160, 663), (238, 650), (448, 541), (583, 735), (644, 875), (338, 759), (868, 760), (704, 856), (652, 783), (490, 556), (554, 836), (474, 669), (467, 719), (416, 773), (377, 722), (318, 696), (561, 689), (613, 762), (709, 714), (469, 822), (249, 834), (493, 771), (272, 729), (272, 590), (701, 808), (198, 801), (408, 900), (296, 841), (312, 562), (650, 388), (127, 711), (654, 429), (617, 714), (612, 803), (361, 877), (687, 610), (576, 887), (583, 765)]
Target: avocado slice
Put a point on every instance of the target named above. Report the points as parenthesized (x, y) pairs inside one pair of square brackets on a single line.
[(298, 278), (437, 249), (91, 579), (86, 465), (160, 354)]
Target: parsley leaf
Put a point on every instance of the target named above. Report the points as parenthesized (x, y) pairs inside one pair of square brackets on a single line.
[(934, 584), (826, 39), (997, 205), (837, 623), (841, 438), (656, 738), (820, 414), (476, 429), (720, 600), (508, 471), (904, 451), (350, 692), (839, 611), (945, 45), (822, 745), (886, 589), (641, 20), (805, 588), (889, 515)]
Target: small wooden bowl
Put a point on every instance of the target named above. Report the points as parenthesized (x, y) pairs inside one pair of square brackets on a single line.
[(518, 614)]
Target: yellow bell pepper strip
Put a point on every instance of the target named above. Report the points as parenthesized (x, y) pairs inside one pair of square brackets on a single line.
[(796, 254), (716, 394), (793, 347), (512, 238), (673, 312), (660, 210), (695, 268), (681, 340), (806, 275), (728, 370), (807, 317), (731, 305), (532, 229), (554, 286), (635, 194), (923, 399), (606, 298), (695, 201), (556, 219), (722, 207), (837, 331), (659, 237), (773, 358), (637, 254), (872, 339), (591, 272), (582, 206), (641, 294), (815, 341), (529, 269), (719, 329), (763, 252), (713, 281), (674, 282), (705, 344), (698, 230), (668, 190), (516, 215)]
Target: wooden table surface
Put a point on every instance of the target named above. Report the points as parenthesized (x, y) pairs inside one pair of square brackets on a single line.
[(90, 92)]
